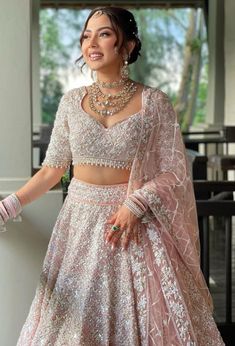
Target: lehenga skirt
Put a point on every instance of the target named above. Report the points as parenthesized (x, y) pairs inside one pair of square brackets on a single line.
[(91, 295), (86, 293)]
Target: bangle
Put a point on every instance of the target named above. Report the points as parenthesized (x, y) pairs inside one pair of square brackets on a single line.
[(136, 199), (3, 212), (134, 207), (12, 205)]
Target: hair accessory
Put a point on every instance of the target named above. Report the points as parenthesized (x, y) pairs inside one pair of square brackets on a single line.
[(98, 13)]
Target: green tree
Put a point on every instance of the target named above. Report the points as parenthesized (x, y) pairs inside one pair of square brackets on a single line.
[(173, 46), (159, 31), (50, 48), (58, 40)]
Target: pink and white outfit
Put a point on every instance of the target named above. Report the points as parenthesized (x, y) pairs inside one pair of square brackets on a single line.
[(153, 293)]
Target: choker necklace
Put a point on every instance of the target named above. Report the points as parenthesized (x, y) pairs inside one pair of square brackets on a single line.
[(110, 85), (110, 104)]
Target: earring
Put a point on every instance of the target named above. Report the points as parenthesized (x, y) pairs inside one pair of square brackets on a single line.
[(125, 69), (94, 75)]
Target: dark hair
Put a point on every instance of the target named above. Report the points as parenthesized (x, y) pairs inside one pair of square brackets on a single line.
[(123, 22)]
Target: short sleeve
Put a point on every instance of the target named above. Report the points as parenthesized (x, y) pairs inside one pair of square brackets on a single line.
[(58, 153)]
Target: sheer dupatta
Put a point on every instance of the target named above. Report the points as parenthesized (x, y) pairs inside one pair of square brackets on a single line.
[(160, 178)]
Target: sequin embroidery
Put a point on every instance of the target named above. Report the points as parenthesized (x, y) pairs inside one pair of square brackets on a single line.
[(79, 138)]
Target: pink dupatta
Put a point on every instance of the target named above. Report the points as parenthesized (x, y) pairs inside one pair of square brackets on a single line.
[(179, 305)]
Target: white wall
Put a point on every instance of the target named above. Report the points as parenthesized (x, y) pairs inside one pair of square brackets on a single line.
[(23, 247), (15, 110), (22, 250)]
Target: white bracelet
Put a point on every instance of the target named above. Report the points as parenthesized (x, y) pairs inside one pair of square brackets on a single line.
[(10, 208), (134, 208)]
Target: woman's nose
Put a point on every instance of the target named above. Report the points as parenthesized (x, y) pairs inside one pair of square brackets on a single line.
[(93, 42)]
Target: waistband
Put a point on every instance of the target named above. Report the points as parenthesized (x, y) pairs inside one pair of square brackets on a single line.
[(97, 194)]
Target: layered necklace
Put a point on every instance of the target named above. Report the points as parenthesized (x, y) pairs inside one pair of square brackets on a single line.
[(110, 104)]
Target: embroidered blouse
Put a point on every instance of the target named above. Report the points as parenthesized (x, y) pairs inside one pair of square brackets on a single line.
[(79, 138)]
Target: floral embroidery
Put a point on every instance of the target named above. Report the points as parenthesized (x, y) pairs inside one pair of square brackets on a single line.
[(170, 290)]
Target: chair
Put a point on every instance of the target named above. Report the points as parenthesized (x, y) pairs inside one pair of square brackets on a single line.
[(224, 162), (43, 141)]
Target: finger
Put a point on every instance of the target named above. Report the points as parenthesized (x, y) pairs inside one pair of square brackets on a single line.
[(132, 234), (126, 239), (135, 234), (111, 233), (111, 219), (136, 238), (115, 239)]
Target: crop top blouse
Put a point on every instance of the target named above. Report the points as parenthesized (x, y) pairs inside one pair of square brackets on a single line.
[(79, 138)]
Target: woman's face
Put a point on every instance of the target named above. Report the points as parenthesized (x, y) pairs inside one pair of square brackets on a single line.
[(98, 46)]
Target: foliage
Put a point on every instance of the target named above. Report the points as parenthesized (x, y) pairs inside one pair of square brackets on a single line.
[(50, 47), (55, 55), (51, 93), (201, 99), (160, 32)]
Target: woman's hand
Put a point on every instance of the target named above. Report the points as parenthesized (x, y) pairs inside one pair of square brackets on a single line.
[(128, 231)]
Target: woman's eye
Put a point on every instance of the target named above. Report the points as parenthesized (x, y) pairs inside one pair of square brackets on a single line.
[(84, 37), (104, 34)]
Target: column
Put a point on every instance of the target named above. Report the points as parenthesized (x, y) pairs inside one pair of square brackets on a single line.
[(215, 100), (229, 62), (23, 247)]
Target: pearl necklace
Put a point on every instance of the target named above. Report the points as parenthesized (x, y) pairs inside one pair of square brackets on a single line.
[(110, 104), (110, 85)]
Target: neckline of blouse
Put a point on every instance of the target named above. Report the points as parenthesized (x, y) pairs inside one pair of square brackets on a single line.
[(84, 92)]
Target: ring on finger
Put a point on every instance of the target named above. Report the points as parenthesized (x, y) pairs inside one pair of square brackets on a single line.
[(115, 228)]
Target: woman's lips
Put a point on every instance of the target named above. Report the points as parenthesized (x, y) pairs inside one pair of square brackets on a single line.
[(95, 56)]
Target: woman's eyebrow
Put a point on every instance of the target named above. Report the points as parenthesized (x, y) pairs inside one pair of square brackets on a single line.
[(102, 28)]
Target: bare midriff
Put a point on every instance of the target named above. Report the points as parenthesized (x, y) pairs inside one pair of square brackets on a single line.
[(100, 175)]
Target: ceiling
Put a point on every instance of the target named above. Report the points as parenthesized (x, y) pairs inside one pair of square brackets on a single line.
[(164, 4), (123, 3)]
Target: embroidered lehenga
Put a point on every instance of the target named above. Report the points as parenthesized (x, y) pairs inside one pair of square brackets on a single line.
[(153, 293)]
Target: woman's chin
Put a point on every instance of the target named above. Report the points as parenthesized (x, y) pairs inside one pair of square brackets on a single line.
[(98, 66)]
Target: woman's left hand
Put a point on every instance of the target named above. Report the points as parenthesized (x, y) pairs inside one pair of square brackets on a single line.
[(128, 231)]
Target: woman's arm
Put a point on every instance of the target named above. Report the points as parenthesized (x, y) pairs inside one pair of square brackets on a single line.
[(40, 183), (57, 160), (165, 163)]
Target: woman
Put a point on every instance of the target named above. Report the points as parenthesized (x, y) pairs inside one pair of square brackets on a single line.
[(122, 266)]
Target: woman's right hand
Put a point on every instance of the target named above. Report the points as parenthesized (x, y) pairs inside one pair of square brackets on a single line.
[(3, 217), (10, 208)]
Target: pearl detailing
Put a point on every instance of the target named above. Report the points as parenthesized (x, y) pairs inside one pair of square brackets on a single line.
[(102, 162), (78, 138)]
